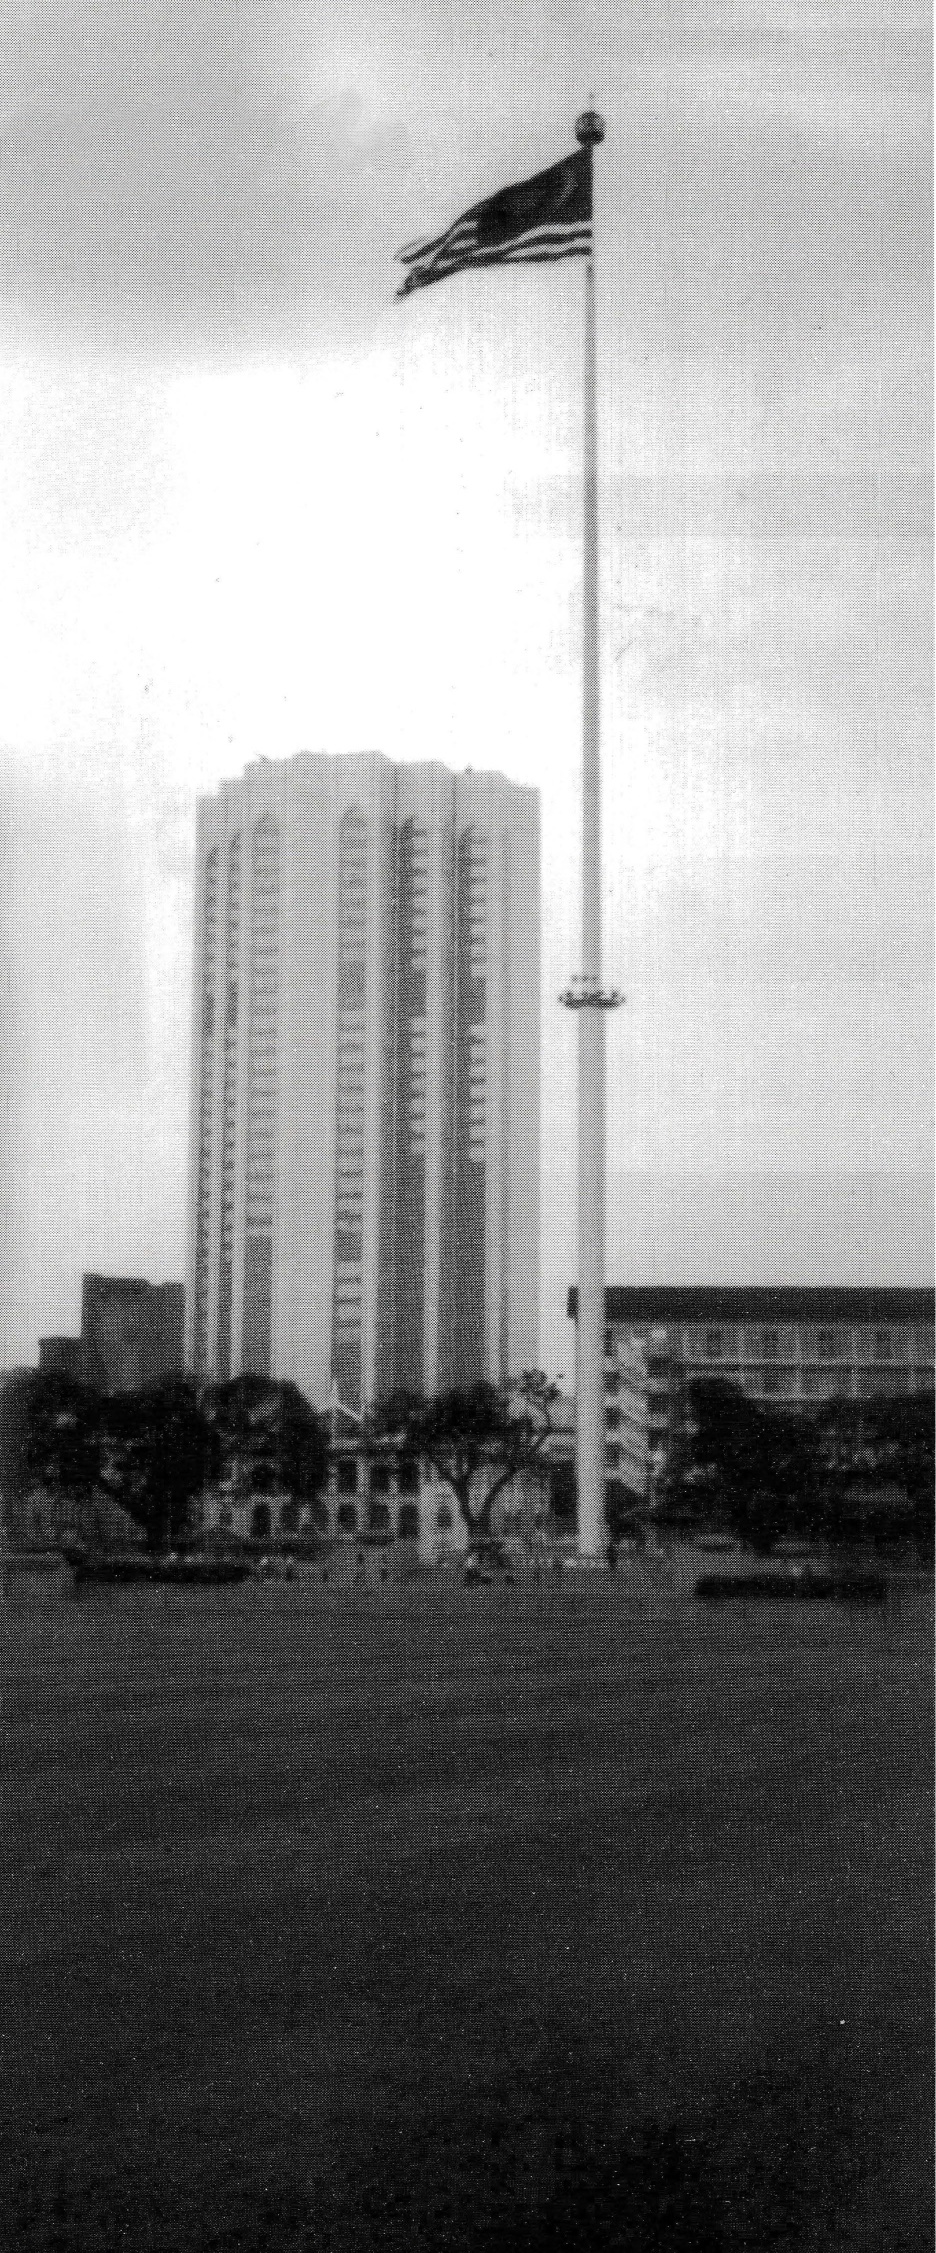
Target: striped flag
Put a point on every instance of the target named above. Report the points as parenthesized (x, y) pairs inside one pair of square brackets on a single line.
[(547, 217)]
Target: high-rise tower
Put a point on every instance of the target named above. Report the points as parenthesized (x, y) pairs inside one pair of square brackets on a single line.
[(364, 1199)]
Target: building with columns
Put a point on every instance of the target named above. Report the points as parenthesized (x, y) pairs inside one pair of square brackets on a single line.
[(364, 1170)]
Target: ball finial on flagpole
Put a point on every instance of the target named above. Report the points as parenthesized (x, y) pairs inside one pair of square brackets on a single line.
[(589, 129)]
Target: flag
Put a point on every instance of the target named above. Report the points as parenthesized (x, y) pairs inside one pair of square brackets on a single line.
[(543, 218)]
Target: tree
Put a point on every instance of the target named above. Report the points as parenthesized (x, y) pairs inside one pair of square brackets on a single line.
[(158, 1453), (60, 1449), (477, 1438), (270, 1438), (149, 1452), (748, 1464), (562, 1492), (621, 1509), (843, 1468), (876, 1462), (303, 1452)]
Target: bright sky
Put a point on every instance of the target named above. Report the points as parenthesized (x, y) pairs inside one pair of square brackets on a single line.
[(250, 503)]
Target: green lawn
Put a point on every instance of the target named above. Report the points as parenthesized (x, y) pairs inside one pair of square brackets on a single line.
[(448, 1918)]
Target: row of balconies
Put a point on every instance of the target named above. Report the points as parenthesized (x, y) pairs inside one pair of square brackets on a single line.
[(751, 1344), (797, 1382), (755, 1369)]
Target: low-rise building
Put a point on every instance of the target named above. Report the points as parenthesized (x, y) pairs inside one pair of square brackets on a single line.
[(371, 1497), (786, 1346), (62, 1357)]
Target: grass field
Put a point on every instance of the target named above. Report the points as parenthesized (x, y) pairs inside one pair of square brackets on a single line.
[(509, 1917)]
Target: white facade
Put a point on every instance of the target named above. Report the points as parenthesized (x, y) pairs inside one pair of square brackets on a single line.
[(384, 1503), (364, 1178)]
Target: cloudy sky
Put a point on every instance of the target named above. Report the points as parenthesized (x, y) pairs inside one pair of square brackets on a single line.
[(251, 504)]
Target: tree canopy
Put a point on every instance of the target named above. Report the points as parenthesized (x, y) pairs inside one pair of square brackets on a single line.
[(59, 1441), (159, 1453), (477, 1438), (876, 1462), (753, 1462), (267, 1427), (768, 1472), (153, 1453), (150, 1452)]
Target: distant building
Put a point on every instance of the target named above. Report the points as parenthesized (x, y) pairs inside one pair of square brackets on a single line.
[(391, 1499), (643, 1404), (62, 1357), (364, 1183), (785, 1346), (15, 1524), (132, 1333)]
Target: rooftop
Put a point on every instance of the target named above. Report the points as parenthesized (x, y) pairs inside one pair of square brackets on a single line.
[(762, 1302)]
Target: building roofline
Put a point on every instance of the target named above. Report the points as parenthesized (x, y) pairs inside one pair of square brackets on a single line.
[(758, 1302), (272, 772), (136, 1284)]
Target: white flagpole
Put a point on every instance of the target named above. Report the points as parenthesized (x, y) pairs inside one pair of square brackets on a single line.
[(586, 994)]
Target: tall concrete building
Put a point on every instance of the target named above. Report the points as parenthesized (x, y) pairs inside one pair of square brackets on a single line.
[(364, 1200)]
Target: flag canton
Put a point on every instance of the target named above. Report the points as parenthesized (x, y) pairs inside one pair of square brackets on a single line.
[(536, 220), (561, 197)]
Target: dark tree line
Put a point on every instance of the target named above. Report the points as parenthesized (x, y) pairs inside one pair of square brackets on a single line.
[(843, 1468), (154, 1453)]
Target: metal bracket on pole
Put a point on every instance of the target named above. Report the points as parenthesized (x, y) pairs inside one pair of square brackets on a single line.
[(583, 993)]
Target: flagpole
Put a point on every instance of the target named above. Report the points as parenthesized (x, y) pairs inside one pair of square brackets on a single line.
[(553, 216), (586, 994)]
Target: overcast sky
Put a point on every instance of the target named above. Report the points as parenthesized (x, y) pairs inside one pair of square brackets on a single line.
[(250, 503)]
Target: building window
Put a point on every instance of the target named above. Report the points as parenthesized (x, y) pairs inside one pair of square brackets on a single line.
[(444, 1518), (408, 1475), (772, 1380), (825, 1345), (612, 1418), (612, 1381), (612, 1457), (882, 1345), (346, 1475), (713, 1345), (771, 1344), (347, 1517), (380, 1478), (378, 1517), (609, 1342), (408, 1525)]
